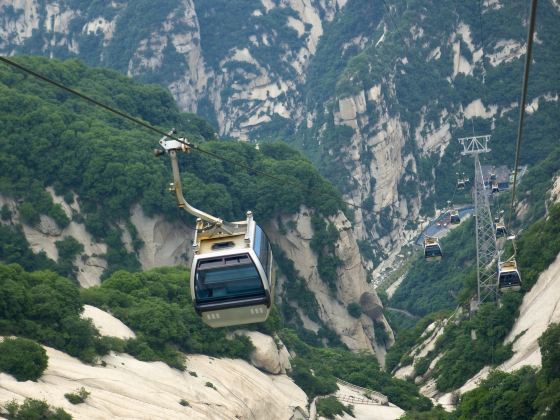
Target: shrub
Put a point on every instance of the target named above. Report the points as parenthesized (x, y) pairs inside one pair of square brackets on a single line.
[(210, 385), (354, 309), (422, 366), (329, 407), (34, 409), (78, 397), (381, 335), (23, 359), (184, 403), (28, 214)]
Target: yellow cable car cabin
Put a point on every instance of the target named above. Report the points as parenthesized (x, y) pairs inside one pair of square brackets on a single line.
[(509, 278)]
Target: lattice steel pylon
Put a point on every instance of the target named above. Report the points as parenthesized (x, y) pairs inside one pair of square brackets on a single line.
[(486, 253)]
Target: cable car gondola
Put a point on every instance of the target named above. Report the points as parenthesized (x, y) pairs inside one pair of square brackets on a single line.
[(495, 187), (454, 217), (509, 278), (461, 181), (501, 230), (432, 249), (232, 274)]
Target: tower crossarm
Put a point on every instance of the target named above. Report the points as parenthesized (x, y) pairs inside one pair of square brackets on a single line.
[(475, 144)]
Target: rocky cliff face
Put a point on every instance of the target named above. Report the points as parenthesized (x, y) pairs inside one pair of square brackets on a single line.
[(244, 72), (539, 309), (402, 83), (122, 387), (351, 288), (165, 243)]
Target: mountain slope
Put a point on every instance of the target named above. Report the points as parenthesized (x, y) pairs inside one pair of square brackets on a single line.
[(88, 197), (373, 93)]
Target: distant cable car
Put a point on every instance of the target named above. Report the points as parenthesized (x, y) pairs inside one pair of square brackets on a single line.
[(460, 181), (432, 249), (501, 230), (495, 187), (454, 217), (232, 274), (509, 278)]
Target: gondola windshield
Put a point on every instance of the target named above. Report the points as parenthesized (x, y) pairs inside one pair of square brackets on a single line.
[(220, 279), (433, 251)]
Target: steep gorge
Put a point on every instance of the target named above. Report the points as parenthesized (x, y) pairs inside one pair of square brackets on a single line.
[(355, 84)]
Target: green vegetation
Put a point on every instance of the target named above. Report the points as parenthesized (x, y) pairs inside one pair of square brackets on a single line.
[(107, 162), (538, 246), (145, 17), (329, 407), (297, 292), (315, 371), (523, 394), (68, 249), (14, 248), (381, 335), (433, 286), (465, 356), (76, 148), (78, 397), (157, 306), (46, 307), (536, 182), (471, 344), (32, 409), (354, 309), (406, 339), (24, 359), (323, 244)]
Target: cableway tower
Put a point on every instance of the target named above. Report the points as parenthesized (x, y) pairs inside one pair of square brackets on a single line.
[(486, 253)]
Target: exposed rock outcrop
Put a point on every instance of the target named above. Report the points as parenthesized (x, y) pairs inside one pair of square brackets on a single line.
[(270, 354), (128, 388), (539, 309), (357, 334), (165, 243), (107, 324)]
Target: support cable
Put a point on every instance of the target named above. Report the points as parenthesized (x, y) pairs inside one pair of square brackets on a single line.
[(531, 32)]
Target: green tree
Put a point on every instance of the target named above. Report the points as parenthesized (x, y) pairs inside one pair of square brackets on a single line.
[(22, 358), (549, 343)]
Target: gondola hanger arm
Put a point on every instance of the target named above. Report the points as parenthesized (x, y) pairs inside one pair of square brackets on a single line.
[(171, 147)]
